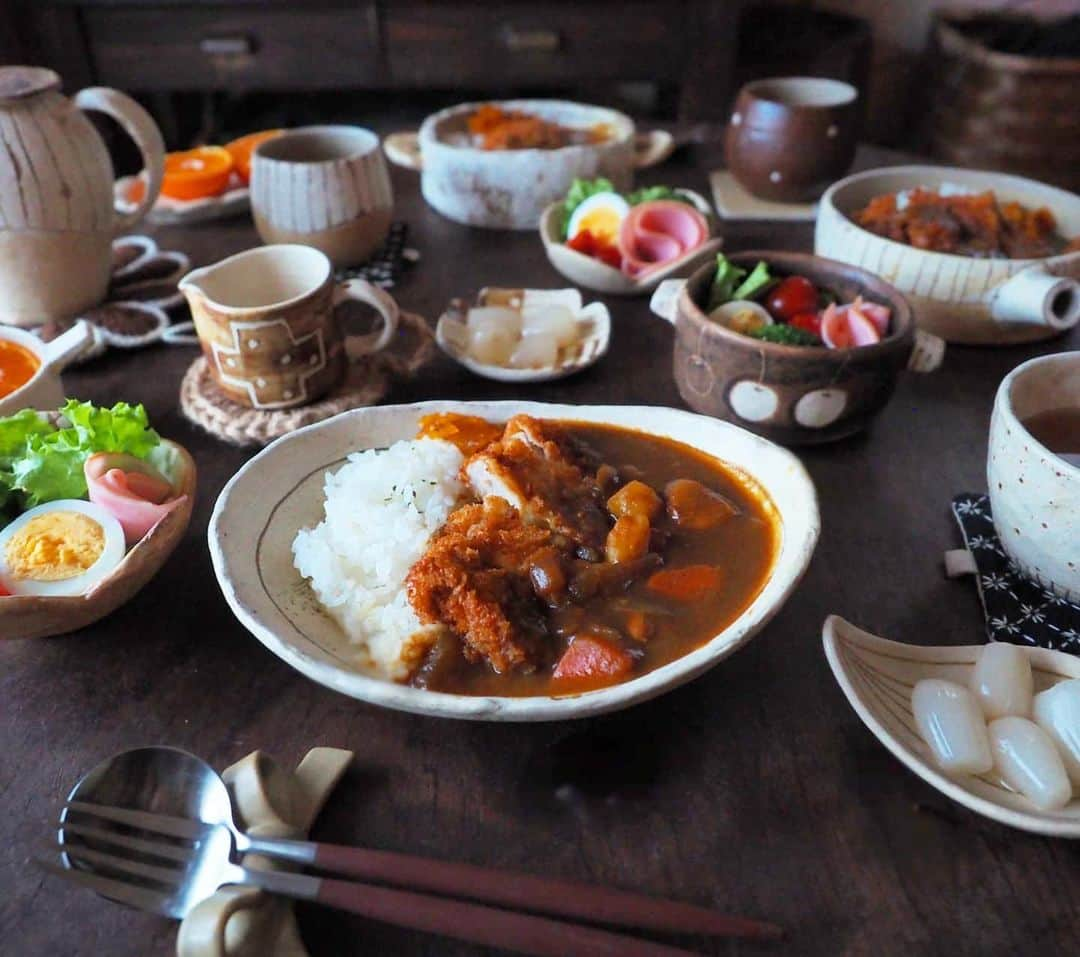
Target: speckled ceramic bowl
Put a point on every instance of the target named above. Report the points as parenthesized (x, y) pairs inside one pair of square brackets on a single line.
[(796, 395)]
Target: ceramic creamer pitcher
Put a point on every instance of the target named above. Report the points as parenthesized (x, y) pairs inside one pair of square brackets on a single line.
[(57, 212)]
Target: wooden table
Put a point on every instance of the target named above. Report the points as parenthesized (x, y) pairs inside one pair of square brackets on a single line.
[(755, 788)]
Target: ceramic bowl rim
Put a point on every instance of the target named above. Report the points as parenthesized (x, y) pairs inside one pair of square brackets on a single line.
[(1003, 405), (790, 564), (828, 202), (754, 87), (896, 339), (370, 137), (427, 135)]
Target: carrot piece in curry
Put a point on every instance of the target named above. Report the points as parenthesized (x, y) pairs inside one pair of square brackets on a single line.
[(686, 584), (590, 656)]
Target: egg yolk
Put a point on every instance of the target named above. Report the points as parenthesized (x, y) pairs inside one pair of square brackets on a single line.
[(54, 547), (603, 223)]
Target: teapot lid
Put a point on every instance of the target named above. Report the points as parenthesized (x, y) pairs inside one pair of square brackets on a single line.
[(17, 82)]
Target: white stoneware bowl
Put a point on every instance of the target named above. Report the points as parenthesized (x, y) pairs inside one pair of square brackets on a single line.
[(281, 490), (1035, 494), (509, 189), (960, 298), (599, 276), (877, 675), (594, 328), (45, 390)]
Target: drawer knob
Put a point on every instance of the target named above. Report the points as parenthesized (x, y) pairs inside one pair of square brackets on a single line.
[(530, 40), (235, 45)]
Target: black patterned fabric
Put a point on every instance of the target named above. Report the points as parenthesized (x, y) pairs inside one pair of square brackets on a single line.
[(385, 267), (1017, 609)]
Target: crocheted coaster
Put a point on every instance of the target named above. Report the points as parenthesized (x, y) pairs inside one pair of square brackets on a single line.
[(1017, 609), (367, 381)]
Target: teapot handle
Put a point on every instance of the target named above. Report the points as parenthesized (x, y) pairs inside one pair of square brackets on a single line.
[(139, 125)]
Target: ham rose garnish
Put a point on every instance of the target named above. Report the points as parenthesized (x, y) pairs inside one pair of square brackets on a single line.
[(136, 493)]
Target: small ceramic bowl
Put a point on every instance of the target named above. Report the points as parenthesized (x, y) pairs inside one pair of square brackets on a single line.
[(593, 274), (594, 328), (35, 616), (1035, 494), (961, 298), (796, 395), (878, 675), (789, 137), (45, 390)]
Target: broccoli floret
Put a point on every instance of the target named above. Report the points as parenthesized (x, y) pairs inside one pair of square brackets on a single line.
[(786, 335)]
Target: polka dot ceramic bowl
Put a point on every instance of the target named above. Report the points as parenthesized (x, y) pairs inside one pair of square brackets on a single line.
[(796, 395)]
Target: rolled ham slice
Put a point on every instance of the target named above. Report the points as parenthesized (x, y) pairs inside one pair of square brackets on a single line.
[(658, 232), (132, 490)]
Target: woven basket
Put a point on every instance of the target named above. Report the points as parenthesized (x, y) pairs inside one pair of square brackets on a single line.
[(1003, 111)]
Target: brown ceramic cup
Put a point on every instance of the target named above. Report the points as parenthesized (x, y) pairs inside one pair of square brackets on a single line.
[(267, 323), (790, 137), (795, 395)]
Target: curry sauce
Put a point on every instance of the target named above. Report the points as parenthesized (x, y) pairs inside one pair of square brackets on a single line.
[(601, 554)]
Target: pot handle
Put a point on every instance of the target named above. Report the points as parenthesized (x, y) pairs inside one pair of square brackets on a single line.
[(652, 148), (403, 149), (66, 348), (927, 353), (665, 299), (140, 126), (1036, 296)]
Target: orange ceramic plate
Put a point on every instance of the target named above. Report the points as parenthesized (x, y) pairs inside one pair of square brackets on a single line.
[(241, 149), (197, 173)]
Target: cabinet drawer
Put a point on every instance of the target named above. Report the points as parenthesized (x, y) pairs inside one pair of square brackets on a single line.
[(213, 47), (468, 43)]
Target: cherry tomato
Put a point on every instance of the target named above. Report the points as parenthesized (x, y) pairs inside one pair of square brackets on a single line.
[(583, 242), (810, 321), (790, 297), (609, 254)]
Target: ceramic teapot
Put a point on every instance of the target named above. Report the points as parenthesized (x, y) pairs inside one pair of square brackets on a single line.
[(57, 212)]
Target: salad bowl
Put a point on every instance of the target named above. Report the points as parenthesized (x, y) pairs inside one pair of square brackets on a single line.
[(877, 676), (37, 616), (280, 491), (591, 273)]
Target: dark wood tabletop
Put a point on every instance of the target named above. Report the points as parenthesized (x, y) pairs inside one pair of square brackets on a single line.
[(755, 788)]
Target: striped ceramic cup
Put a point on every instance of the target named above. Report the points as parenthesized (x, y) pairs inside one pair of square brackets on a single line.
[(323, 186)]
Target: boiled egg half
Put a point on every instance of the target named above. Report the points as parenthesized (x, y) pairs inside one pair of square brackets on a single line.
[(60, 548), (602, 215)]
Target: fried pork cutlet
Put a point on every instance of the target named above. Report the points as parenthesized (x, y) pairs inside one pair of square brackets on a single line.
[(539, 471), (474, 578)]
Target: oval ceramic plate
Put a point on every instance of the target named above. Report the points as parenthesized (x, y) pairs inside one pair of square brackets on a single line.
[(281, 491), (594, 329), (168, 211), (877, 676), (36, 616), (600, 277)]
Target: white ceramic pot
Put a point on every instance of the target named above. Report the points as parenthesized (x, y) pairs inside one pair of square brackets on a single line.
[(1035, 494), (961, 298), (45, 390), (58, 215), (509, 189)]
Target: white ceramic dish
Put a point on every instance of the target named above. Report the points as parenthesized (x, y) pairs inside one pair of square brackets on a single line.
[(600, 277), (281, 490), (877, 676), (45, 390), (594, 327), (508, 189), (167, 211), (960, 298)]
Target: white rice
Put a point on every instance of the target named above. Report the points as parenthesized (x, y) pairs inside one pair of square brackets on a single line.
[(381, 509)]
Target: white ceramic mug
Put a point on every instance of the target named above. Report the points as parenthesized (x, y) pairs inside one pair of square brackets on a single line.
[(45, 390), (323, 186), (1035, 494)]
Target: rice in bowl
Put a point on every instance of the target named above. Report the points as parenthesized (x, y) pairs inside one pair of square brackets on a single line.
[(381, 509)]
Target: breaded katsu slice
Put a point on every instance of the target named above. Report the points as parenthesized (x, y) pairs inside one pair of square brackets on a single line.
[(537, 469), (474, 578)]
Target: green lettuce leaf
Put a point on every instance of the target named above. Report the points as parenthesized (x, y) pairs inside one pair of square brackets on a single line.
[(648, 193), (40, 462), (581, 190)]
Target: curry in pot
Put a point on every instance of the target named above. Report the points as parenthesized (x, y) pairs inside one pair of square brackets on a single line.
[(591, 555)]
